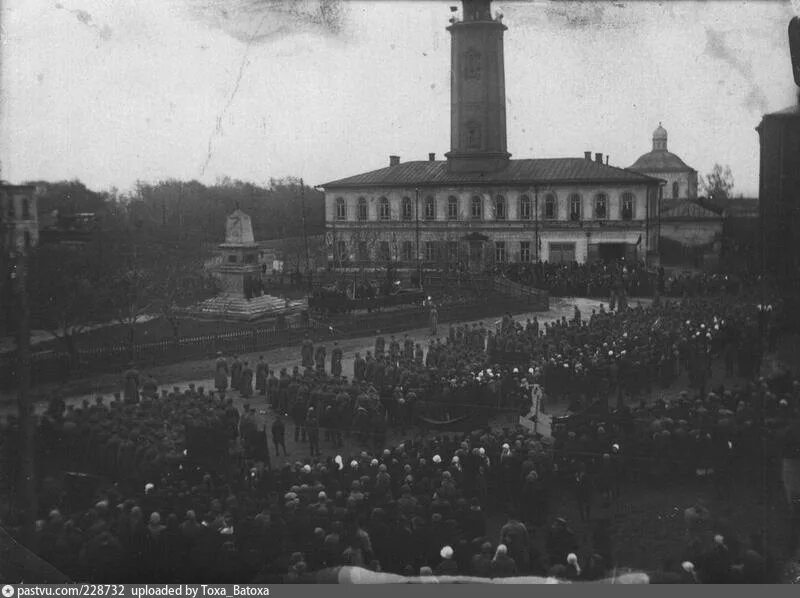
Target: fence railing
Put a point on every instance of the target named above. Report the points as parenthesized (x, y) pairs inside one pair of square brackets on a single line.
[(57, 366)]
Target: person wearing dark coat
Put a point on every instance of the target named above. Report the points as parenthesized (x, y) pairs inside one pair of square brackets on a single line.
[(502, 564), (336, 360), (359, 368), (279, 436), (261, 376), (236, 373), (131, 385), (221, 373), (481, 564), (246, 381)]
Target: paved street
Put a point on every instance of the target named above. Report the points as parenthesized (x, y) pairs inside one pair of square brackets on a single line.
[(201, 372)]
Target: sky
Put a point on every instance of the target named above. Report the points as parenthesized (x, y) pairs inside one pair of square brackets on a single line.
[(114, 91)]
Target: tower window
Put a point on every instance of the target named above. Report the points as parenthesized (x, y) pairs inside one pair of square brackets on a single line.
[(362, 209), (575, 207), (473, 135), (550, 208), (476, 210), (675, 189), (472, 64), (626, 206), (385, 212), (430, 208), (452, 208), (407, 212), (500, 208), (600, 206), (341, 209), (524, 208)]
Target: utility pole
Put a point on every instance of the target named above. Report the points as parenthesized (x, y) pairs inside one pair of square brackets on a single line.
[(416, 215), (536, 219), (305, 235)]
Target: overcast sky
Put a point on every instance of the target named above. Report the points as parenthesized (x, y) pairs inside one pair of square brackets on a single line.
[(111, 91)]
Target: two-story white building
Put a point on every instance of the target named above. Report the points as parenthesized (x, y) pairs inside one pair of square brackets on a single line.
[(479, 207), (557, 210)]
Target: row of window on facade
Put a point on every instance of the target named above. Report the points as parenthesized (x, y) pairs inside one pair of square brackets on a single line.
[(433, 251), (409, 211), (11, 209)]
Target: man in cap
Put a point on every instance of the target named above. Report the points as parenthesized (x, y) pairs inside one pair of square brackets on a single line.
[(336, 360), (131, 385), (262, 372), (359, 367), (279, 436), (221, 373), (236, 373)]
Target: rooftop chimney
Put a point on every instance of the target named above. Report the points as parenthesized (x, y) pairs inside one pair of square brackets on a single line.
[(587, 156), (598, 157), (606, 159), (394, 160), (431, 157)]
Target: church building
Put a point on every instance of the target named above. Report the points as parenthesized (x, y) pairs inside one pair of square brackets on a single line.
[(480, 207)]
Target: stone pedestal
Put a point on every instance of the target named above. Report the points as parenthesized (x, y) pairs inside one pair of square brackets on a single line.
[(239, 275)]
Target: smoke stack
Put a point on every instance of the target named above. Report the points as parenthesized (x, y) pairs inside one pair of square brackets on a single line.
[(606, 159), (394, 160), (598, 157), (587, 156), (431, 157)]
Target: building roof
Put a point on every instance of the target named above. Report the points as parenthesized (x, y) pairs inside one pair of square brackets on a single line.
[(531, 171), (660, 161), (684, 209)]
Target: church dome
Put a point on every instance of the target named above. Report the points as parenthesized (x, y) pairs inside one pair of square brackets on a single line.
[(660, 160), (660, 133)]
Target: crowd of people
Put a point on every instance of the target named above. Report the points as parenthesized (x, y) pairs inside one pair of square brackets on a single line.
[(631, 278), (197, 495)]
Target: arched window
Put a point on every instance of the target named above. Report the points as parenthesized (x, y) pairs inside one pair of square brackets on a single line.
[(550, 207), (26, 209), (408, 213), (362, 209), (341, 209), (476, 208), (383, 209), (675, 189), (452, 208), (430, 208), (575, 207), (500, 208), (626, 206), (525, 208), (600, 206)]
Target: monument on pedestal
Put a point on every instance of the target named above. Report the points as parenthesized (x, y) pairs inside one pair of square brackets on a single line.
[(239, 273)]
